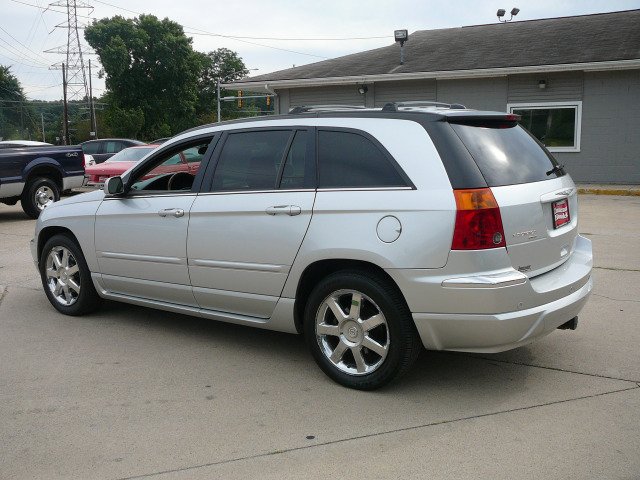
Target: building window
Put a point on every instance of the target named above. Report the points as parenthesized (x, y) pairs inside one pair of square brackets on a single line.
[(556, 124)]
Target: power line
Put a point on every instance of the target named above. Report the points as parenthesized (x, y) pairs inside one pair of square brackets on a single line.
[(245, 39), (23, 45), (262, 45), (252, 38), (238, 37), (48, 9), (21, 55)]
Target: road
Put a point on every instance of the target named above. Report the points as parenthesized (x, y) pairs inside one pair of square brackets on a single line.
[(131, 392)]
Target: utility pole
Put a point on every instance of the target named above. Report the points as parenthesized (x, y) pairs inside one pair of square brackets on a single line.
[(93, 127), (43, 135), (65, 120), (74, 77)]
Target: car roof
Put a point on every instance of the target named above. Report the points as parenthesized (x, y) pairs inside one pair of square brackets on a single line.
[(418, 111), (136, 142), (146, 145)]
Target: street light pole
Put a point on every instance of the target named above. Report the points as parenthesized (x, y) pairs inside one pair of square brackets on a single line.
[(218, 97), (224, 78)]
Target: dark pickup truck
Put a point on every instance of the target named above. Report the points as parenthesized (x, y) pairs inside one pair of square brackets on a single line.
[(37, 175)]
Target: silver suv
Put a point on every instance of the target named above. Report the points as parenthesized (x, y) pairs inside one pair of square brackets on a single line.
[(372, 232)]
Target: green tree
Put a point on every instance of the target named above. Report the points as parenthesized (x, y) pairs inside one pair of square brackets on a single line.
[(16, 116), (150, 67), (226, 66)]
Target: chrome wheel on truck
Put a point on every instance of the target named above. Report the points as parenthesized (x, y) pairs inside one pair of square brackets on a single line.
[(38, 194)]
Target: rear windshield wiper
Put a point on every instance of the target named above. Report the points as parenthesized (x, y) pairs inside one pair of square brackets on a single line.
[(555, 169)]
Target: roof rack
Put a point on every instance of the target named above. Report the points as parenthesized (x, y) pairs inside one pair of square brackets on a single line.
[(322, 108), (393, 107)]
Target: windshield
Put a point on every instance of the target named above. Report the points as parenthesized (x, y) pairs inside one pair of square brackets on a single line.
[(130, 154), (507, 155)]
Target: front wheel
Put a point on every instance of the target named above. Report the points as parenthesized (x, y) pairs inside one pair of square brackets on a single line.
[(66, 278), (360, 330), (38, 194)]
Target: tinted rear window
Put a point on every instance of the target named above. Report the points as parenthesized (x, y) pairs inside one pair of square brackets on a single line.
[(507, 156), (348, 159)]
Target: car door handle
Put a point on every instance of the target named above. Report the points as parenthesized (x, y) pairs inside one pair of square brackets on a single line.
[(284, 209), (176, 212)]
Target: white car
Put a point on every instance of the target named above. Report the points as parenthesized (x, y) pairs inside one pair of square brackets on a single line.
[(373, 232)]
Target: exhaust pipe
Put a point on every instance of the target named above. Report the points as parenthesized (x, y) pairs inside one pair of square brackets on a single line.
[(570, 325)]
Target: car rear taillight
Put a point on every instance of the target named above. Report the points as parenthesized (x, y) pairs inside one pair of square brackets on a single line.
[(478, 221)]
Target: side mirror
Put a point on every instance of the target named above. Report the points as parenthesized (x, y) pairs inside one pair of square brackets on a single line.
[(113, 186)]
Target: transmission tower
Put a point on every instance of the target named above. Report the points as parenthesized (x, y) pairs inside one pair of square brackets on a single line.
[(74, 78)]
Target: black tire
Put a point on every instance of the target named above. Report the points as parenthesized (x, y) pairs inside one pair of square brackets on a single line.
[(374, 341), (37, 194), (66, 278)]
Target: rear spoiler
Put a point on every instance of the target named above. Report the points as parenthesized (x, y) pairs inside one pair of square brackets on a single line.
[(484, 119)]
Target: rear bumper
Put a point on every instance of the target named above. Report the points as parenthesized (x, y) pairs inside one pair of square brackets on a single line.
[(497, 333), (494, 309)]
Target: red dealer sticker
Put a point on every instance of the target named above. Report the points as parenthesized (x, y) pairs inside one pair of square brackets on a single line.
[(561, 213)]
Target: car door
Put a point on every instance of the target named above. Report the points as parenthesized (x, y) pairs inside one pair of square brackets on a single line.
[(246, 228), (141, 236)]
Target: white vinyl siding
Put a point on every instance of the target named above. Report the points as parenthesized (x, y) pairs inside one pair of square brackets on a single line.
[(387, 92), (559, 87), (338, 95)]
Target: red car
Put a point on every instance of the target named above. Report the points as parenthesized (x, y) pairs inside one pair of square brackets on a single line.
[(187, 161)]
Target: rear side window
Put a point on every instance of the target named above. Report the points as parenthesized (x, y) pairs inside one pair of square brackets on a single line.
[(347, 159), (91, 148), (112, 147), (251, 160), (296, 163), (507, 155)]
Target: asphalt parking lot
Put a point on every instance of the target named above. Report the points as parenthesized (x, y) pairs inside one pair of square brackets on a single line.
[(136, 393)]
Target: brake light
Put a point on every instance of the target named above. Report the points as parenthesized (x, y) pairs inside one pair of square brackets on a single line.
[(478, 221)]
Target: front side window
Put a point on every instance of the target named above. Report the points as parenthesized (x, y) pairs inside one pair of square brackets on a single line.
[(251, 160), (169, 170), (193, 155), (556, 125), (351, 160)]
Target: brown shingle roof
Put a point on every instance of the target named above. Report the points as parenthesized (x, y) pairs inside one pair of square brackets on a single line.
[(554, 41)]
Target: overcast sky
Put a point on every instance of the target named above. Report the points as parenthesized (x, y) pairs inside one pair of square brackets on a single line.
[(269, 36)]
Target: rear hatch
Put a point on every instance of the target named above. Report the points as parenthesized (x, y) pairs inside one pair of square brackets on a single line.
[(537, 198)]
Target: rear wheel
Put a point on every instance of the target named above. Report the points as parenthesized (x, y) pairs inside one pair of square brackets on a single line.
[(38, 194), (66, 278), (360, 330)]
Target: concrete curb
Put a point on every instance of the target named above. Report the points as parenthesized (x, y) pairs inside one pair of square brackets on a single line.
[(612, 190)]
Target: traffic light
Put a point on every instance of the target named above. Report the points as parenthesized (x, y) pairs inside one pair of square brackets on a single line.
[(240, 98), (268, 101)]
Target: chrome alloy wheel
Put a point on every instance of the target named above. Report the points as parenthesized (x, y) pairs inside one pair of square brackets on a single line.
[(44, 196), (63, 276), (352, 332)]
